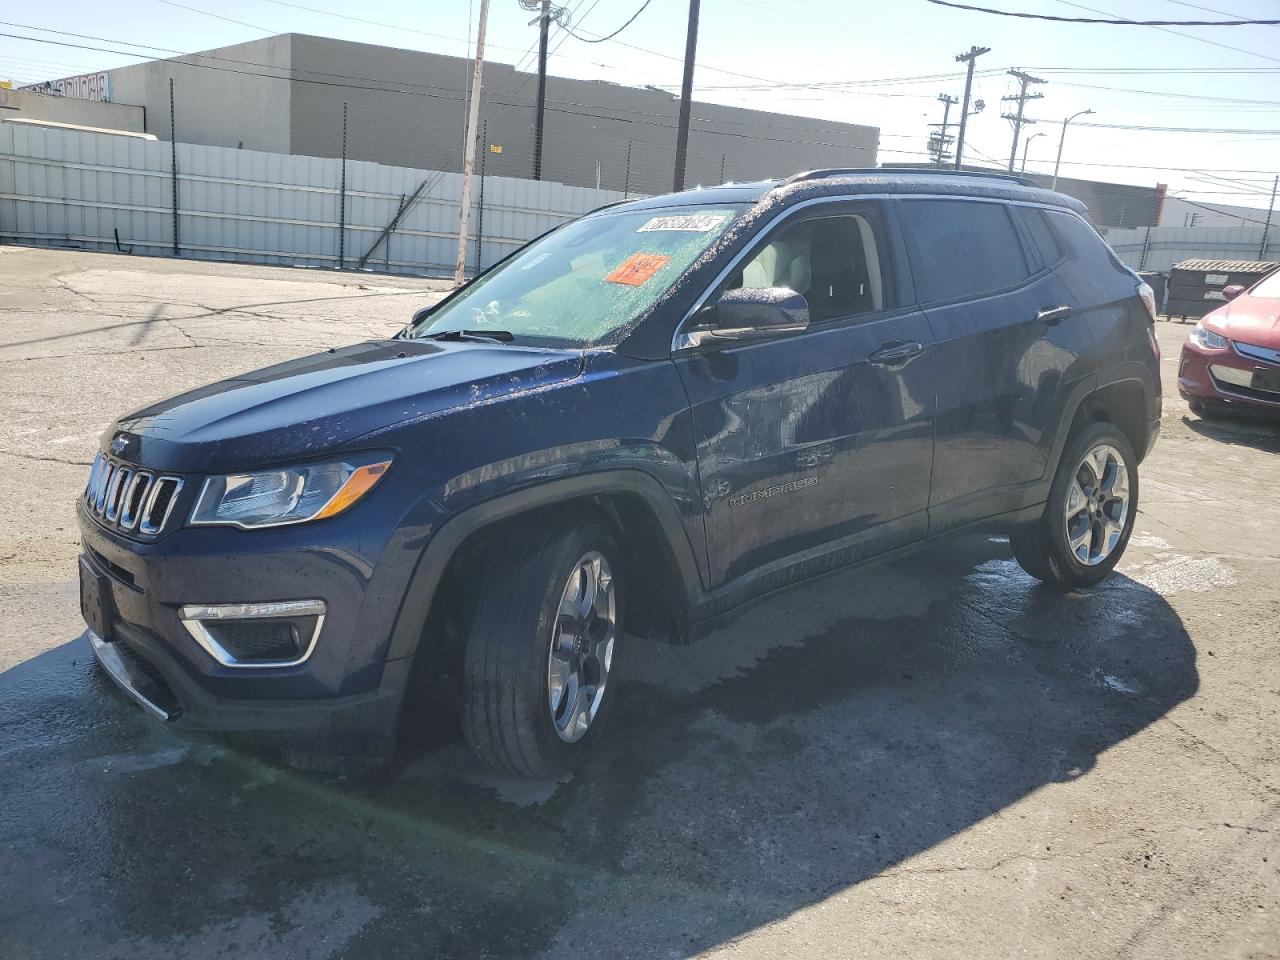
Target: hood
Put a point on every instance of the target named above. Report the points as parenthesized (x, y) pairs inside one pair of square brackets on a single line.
[(1249, 319), (309, 406)]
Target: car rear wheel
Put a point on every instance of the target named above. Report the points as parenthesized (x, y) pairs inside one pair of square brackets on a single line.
[(537, 675), (1089, 516)]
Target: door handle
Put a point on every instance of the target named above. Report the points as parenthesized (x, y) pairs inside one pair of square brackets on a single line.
[(1051, 315), (896, 353)]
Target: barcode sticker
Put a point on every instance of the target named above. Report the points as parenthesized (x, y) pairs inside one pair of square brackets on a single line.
[(693, 223)]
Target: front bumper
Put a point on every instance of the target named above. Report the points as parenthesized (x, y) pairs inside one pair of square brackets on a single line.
[(359, 725), (346, 691), (1198, 381)]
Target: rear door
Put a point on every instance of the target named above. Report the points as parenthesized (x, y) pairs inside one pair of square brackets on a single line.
[(816, 443), (1009, 350)]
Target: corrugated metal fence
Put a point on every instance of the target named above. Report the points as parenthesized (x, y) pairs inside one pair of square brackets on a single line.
[(69, 188), (1158, 248)]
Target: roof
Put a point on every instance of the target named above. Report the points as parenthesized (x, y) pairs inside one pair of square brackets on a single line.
[(32, 122), (819, 183), (1228, 266)]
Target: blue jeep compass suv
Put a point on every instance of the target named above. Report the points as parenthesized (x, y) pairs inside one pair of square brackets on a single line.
[(632, 426)]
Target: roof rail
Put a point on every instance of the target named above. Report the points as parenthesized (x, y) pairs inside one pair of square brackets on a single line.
[(910, 171)]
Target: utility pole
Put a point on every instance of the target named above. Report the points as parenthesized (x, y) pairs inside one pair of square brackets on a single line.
[(469, 161), (973, 54), (1266, 227), (544, 25), (938, 142), (1025, 79), (686, 95)]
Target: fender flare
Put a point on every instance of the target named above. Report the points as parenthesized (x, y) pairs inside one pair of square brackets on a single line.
[(1130, 372), (431, 565)]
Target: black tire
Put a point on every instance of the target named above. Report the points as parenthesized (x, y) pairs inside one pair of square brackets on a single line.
[(1041, 547), (1201, 409), (506, 716)]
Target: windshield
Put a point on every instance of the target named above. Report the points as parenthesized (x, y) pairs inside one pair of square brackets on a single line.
[(586, 281), (1270, 287)]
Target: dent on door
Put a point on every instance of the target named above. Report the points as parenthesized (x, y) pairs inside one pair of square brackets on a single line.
[(803, 444)]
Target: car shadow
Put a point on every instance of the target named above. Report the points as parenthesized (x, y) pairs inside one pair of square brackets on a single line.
[(1240, 428), (828, 736)]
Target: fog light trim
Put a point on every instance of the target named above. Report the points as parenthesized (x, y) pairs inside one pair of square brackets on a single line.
[(194, 615), (1232, 375)]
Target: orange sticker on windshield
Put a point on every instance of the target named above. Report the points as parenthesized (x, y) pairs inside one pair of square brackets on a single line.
[(638, 268)]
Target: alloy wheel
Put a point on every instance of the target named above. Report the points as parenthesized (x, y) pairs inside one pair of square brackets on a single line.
[(582, 642), (1097, 506)]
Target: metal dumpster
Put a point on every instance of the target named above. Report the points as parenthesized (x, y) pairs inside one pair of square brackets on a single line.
[(1195, 286)]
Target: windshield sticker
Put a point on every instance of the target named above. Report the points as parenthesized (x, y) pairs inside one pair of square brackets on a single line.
[(637, 269), (695, 224)]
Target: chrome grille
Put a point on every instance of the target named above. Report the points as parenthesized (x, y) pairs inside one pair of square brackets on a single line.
[(1257, 353), (129, 498)]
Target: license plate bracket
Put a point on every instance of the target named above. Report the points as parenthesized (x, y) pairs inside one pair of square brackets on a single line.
[(97, 604)]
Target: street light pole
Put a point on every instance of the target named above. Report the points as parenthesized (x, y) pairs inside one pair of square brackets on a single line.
[(1061, 140), (1025, 146)]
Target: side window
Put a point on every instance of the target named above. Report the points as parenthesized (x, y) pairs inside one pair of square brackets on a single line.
[(961, 248), (839, 263), (1044, 246), (1085, 246)]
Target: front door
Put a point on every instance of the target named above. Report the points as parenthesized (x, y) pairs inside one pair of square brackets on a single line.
[(816, 446)]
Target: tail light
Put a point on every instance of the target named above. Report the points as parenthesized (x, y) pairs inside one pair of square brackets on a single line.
[(1149, 301)]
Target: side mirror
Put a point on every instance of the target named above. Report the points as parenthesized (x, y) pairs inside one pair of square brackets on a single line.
[(1232, 291), (744, 314)]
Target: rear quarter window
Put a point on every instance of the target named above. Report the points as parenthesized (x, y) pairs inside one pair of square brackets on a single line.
[(1044, 246), (961, 248), (1085, 247)]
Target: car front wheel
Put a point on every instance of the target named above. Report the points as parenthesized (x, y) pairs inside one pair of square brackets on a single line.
[(1089, 515), (537, 677)]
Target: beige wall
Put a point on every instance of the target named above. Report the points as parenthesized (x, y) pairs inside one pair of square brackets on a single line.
[(87, 113), (230, 98)]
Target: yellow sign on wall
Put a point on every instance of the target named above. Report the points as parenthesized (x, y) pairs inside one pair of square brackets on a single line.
[(495, 148)]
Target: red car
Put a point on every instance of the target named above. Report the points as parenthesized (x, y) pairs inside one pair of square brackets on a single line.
[(1232, 357)]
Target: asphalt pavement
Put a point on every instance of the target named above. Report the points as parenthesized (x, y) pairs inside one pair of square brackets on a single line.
[(929, 758)]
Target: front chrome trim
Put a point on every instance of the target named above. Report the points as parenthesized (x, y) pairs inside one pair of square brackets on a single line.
[(148, 524), (1265, 354), (128, 516), (1232, 375), (192, 616), (126, 677)]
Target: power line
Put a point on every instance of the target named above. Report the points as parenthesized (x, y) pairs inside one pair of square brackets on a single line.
[(630, 21), (1224, 213), (217, 16), (1106, 22), (1146, 129), (1185, 36)]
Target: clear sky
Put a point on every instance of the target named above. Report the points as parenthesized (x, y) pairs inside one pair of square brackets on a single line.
[(822, 58)]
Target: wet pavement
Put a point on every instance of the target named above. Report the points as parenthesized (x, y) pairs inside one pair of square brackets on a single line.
[(934, 757)]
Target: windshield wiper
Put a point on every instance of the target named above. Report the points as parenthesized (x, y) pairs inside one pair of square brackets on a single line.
[(487, 336)]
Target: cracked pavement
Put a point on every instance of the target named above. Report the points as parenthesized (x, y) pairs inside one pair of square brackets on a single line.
[(932, 758)]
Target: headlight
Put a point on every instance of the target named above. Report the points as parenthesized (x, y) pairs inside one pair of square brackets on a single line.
[(272, 498), (1207, 338)]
